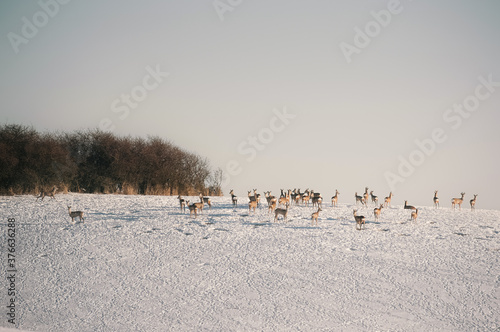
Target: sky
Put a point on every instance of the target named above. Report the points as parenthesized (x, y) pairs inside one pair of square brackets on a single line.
[(398, 96)]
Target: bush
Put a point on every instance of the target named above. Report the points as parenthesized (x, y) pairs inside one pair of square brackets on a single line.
[(97, 162)]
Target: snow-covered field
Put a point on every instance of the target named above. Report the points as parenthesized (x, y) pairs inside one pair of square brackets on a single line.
[(138, 263)]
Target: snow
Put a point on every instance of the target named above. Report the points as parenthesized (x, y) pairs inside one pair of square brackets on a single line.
[(137, 263)]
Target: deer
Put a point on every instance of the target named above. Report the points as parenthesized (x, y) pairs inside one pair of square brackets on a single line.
[(298, 196), (234, 199), (282, 212), (409, 207), (387, 200), (314, 216), (436, 199), (304, 194), (44, 193), (376, 212), (192, 208), (74, 214), (293, 195), (206, 200), (252, 205), (284, 199), (200, 205), (257, 196), (359, 199), (414, 215), (365, 195), (272, 204), (305, 197), (335, 198), (374, 198), (458, 201), (473, 203), (251, 197), (182, 203), (360, 220), (269, 197), (317, 200)]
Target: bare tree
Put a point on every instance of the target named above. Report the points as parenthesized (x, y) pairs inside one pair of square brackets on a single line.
[(215, 182)]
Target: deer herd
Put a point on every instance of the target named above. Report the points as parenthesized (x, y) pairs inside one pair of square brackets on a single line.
[(279, 206)]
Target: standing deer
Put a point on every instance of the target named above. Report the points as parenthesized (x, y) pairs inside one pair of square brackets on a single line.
[(335, 198), (257, 196), (234, 199), (374, 198), (473, 203), (44, 193), (199, 205), (298, 196), (269, 197), (182, 203), (387, 200), (305, 197), (317, 200), (192, 208), (252, 205), (251, 197), (365, 195), (360, 220), (458, 201), (436, 199), (359, 199), (289, 196), (314, 216), (377, 211), (74, 214), (282, 212), (206, 200), (284, 198), (272, 204), (414, 215), (293, 195)]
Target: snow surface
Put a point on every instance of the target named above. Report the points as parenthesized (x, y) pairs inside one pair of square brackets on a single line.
[(137, 263)]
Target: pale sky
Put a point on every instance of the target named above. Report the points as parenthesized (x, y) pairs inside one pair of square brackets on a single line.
[(355, 84)]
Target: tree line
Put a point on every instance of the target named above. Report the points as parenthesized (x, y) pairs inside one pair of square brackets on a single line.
[(94, 161)]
